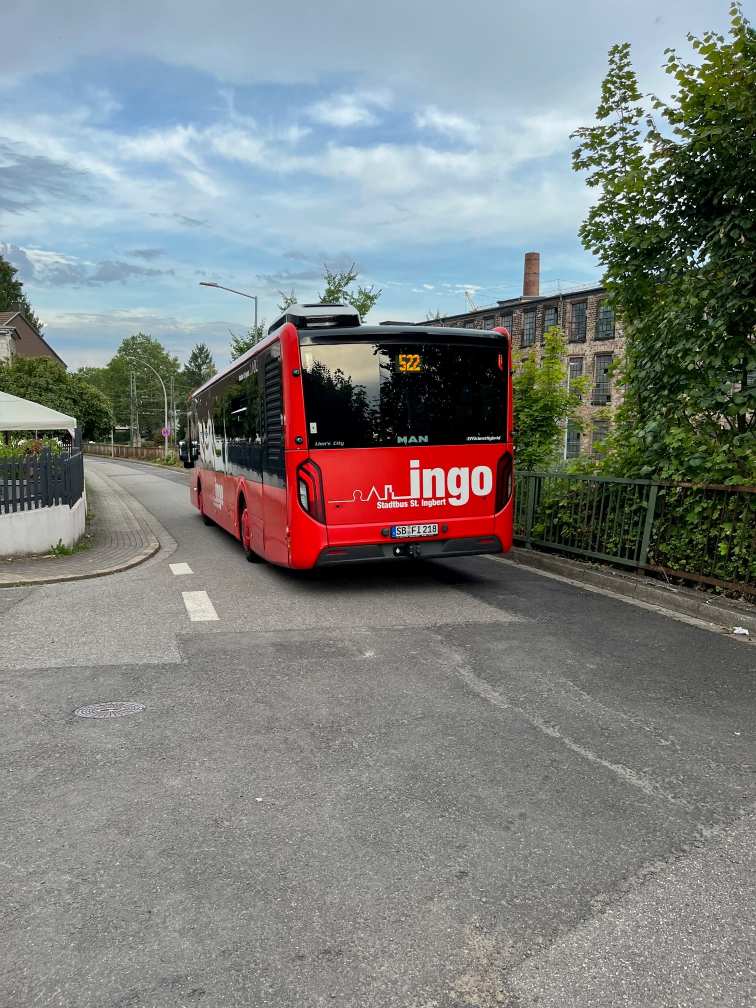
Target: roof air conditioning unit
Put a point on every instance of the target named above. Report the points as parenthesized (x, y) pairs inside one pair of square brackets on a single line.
[(318, 316)]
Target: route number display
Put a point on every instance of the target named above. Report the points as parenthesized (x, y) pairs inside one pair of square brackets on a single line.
[(410, 362)]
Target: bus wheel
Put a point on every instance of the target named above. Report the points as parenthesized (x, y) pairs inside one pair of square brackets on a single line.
[(246, 536), (205, 519)]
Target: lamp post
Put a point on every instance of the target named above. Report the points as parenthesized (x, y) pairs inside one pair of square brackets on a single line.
[(138, 360), (253, 297)]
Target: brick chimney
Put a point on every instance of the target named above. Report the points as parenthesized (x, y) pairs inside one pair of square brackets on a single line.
[(531, 284)]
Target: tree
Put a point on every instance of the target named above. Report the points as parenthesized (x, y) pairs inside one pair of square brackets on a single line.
[(337, 284), (674, 226), (337, 291), (287, 300), (114, 380), (45, 381), (12, 295), (544, 402), (240, 344), (199, 367)]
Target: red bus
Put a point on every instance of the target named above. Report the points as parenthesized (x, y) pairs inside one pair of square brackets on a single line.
[(332, 441)]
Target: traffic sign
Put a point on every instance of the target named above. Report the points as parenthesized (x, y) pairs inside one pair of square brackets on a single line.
[(166, 431)]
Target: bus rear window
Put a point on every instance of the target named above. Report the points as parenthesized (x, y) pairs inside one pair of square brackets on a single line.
[(370, 395)]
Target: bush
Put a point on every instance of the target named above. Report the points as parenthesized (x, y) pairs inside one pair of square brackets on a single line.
[(27, 447)]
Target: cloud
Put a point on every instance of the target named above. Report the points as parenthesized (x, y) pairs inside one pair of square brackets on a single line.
[(54, 269), (294, 134), (43, 266), (448, 124), (145, 253), (289, 278), (161, 145), (246, 184), (27, 178), (238, 144), (493, 53), (113, 271), (192, 222), (92, 337), (248, 166), (182, 219), (301, 256), (345, 111)]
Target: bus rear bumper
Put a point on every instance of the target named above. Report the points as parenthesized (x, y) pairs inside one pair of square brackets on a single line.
[(436, 549)]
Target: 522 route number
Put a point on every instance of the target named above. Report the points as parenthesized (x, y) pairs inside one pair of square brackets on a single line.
[(409, 362)]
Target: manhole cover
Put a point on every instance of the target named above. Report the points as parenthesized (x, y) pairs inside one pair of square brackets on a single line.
[(108, 710)]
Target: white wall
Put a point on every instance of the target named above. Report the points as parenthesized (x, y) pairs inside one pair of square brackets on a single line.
[(27, 532), (7, 348)]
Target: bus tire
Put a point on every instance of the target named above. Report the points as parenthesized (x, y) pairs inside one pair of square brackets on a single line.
[(245, 534), (205, 519)]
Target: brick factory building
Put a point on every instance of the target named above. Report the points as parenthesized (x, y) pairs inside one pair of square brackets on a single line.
[(594, 340)]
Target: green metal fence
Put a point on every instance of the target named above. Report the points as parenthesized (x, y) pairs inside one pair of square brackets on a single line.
[(701, 533)]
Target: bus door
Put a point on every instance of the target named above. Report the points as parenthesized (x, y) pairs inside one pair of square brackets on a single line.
[(273, 460)]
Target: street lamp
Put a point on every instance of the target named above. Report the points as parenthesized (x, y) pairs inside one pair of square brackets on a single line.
[(138, 360), (209, 283)]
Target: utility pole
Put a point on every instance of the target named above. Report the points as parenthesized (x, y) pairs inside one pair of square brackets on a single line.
[(173, 408), (137, 428), (136, 440)]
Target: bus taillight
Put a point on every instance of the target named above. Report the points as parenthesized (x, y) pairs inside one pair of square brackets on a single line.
[(503, 481), (310, 490)]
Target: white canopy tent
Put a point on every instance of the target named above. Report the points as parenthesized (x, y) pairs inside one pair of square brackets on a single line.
[(18, 414)]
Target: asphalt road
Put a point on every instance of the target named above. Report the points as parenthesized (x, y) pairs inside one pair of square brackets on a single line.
[(422, 786)]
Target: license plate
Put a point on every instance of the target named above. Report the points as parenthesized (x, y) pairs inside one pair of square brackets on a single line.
[(410, 531)]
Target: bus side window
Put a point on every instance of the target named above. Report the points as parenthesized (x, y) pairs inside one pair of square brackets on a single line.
[(253, 424), (272, 408), (243, 448), (219, 428)]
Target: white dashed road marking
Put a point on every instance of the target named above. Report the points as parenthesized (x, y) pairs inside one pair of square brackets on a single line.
[(199, 606), (181, 568)]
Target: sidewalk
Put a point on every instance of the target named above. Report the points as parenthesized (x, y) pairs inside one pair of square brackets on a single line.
[(119, 537), (724, 612)]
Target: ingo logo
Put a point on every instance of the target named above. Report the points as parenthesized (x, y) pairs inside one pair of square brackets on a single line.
[(430, 488), (454, 484)]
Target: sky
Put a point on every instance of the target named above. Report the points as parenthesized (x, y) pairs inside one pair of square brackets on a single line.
[(146, 146)]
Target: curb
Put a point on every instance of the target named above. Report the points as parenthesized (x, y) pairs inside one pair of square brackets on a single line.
[(148, 462), (151, 547), (134, 561), (675, 600)]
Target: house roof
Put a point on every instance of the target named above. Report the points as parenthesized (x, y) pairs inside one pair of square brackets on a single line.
[(7, 317), (25, 415), (533, 299), (521, 301)]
